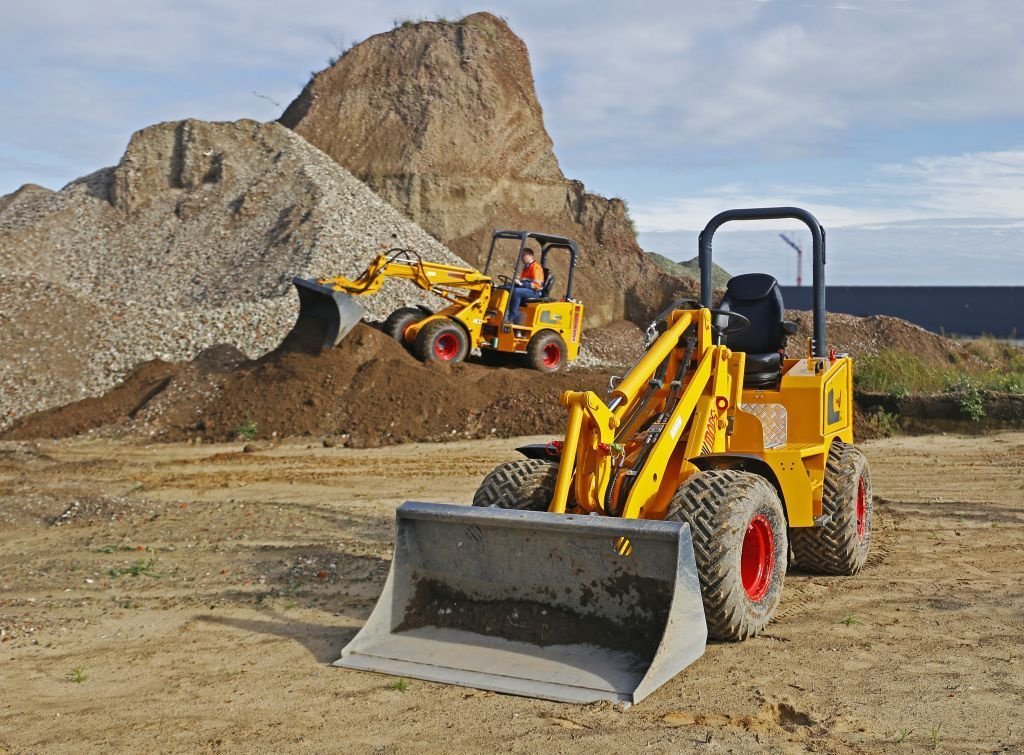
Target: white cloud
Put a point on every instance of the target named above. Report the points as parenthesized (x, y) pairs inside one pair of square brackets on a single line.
[(937, 189), (664, 84)]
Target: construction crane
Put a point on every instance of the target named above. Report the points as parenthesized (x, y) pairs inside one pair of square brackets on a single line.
[(799, 257)]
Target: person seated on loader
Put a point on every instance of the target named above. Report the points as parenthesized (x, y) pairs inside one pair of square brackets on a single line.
[(526, 286)]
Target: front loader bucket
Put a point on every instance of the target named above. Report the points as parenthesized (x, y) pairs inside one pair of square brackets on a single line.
[(325, 316), (535, 604)]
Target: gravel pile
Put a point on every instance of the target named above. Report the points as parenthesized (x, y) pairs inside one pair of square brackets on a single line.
[(192, 240)]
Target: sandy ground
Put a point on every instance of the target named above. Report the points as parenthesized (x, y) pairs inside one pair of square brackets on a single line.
[(191, 598)]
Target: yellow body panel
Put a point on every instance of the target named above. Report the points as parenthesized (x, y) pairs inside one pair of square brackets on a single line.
[(562, 317)]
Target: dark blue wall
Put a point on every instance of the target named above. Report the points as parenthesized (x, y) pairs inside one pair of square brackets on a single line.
[(958, 310)]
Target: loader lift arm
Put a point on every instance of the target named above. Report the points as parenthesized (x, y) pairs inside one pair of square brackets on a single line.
[(406, 264), (330, 302)]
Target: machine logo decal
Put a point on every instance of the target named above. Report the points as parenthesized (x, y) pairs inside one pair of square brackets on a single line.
[(835, 413)]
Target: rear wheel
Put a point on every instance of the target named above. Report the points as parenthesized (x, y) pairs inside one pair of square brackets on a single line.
[(739, 542), (546, 351), (441, 340), (399, 321), (524, 484), (841, 544)]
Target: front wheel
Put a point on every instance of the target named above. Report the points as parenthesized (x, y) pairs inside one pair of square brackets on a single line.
[(399, 321), (524, 484), (441, 340), (739, 543), (546, 351)]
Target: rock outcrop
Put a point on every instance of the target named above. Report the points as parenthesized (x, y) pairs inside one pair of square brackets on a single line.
[(442, 120)]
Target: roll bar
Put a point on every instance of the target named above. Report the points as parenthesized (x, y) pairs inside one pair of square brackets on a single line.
[(771, 213), (547, 242)]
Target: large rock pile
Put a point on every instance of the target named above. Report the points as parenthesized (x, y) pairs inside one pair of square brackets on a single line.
[(442, 120), (190, 241)]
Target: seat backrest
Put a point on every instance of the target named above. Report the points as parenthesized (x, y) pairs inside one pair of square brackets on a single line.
[(549, 279), (757, 297)]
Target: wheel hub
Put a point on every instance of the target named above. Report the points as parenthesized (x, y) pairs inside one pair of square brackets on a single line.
[(446, 347), (552, 355), (757, 559), (862, 510)]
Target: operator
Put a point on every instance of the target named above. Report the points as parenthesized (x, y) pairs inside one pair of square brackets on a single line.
[(526, 286)]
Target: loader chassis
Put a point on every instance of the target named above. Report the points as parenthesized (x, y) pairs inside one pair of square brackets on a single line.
[(711, 461), (548, 333)]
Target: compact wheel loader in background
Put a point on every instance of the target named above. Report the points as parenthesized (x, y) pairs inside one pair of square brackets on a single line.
[(547, 335), (597, 566)]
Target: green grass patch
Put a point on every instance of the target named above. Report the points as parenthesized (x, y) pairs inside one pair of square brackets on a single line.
[(901, 373), (248, 429), (139, 569)]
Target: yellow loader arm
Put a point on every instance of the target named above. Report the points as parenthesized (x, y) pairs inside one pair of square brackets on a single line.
[(328, 311), (625, 458), (406, 264)]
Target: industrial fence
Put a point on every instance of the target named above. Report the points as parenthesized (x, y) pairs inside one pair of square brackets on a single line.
[(954, 310)]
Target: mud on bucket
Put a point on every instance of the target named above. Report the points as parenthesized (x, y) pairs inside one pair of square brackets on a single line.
[(325, 316), (535, 604)]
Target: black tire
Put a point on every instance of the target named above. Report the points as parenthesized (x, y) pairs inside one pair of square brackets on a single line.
[(442, 341), (524, 484), (399, 321), (735, 518), (546, 351), (841, 545)]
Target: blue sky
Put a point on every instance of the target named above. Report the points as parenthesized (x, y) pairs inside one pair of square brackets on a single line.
[(897, 122)]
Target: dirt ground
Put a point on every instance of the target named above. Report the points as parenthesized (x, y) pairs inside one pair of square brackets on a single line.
[(183, 598)]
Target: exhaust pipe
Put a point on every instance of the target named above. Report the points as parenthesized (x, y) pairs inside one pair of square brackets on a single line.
[(535, 604), (325, 317)]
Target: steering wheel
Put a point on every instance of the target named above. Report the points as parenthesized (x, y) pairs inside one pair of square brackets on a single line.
[(741, 324), (505, 280)]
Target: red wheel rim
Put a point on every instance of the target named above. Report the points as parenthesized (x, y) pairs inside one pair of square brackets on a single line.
[(446, 347), (757, 558), (552, 355), (862, 509)]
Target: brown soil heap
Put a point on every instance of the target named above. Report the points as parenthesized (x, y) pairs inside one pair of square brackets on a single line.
[(369, 391), (442, 120)]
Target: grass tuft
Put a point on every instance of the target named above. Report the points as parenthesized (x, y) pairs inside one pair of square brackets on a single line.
[(248, 429), (849, 620), (139, 569)]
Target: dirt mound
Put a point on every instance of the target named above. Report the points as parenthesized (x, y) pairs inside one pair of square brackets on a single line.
[(442, 120), (617, 345), (869, 336), (369, 390)]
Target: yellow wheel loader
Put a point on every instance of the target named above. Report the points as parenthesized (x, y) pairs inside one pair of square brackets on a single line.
[(597, 566), (547, 333)]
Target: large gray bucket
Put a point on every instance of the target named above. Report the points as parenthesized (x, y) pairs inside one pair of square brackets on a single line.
[(325, 316), (535, 604)]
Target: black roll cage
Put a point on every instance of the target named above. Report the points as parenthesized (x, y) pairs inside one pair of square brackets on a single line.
[(546, 241), (772, 213)]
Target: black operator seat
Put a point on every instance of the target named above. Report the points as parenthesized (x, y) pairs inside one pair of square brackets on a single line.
[(758, 298), (545, 291)]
